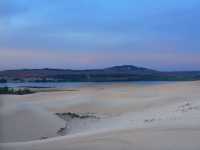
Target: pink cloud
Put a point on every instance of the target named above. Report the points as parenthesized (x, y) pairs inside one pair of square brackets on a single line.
[(12, 58)]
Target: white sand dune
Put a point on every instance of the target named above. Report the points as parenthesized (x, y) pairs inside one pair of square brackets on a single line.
[(140, 117), (145, 139), (24, 122)]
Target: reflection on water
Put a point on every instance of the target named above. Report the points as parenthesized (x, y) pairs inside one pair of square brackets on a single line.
[(74, 84)]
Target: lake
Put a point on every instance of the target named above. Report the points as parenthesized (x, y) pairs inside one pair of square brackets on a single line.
[(74, 84)]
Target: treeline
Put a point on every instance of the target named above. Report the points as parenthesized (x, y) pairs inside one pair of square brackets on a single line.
[(7, 90)]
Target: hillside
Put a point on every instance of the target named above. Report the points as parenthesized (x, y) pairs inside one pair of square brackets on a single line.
[(115, 73)]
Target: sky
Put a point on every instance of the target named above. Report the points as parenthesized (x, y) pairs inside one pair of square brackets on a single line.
[(85, 34)]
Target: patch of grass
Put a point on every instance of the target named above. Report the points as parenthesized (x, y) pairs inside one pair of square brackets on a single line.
[(7, 90), (76, 115)]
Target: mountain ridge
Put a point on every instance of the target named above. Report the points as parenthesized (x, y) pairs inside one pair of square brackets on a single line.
[(113, 73)]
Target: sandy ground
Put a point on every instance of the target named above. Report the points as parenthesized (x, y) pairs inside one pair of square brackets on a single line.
[(132, 116)]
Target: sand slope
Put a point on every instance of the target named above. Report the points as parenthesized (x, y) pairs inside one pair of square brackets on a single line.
[(25, 122), (151, 139), (150, 117)]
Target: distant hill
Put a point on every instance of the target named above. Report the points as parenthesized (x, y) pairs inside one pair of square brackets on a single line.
[(115, 73)]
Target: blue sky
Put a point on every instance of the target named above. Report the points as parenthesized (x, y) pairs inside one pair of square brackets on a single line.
[(160, 34)]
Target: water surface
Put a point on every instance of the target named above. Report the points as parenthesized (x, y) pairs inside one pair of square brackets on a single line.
[(75, 84)]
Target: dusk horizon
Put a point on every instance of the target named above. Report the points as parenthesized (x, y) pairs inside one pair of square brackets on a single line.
[(99, 68), (97, 34)]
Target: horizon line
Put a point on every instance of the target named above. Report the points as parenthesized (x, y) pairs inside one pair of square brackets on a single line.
[(57, 68)]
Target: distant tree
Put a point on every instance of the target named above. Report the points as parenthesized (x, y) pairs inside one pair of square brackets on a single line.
[(6, 90)]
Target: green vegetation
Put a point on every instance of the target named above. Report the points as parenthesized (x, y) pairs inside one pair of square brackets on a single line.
[(75, 115), (6, 90)]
